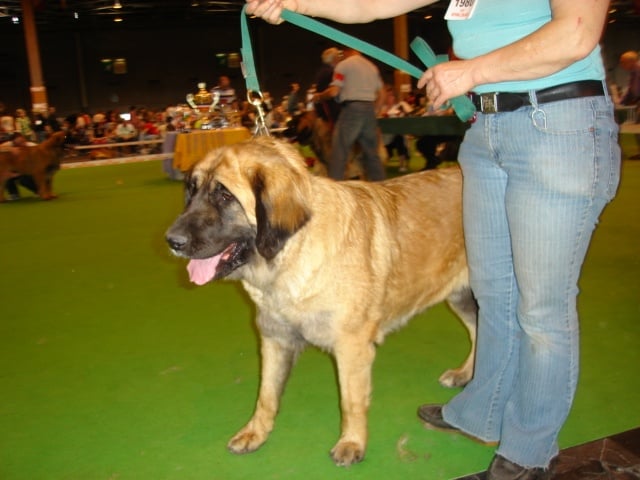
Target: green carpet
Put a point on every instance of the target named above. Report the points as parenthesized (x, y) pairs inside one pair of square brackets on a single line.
[(114, 367)]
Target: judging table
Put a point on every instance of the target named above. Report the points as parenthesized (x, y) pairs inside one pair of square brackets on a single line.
[(630, 129), (190, 147), (434, 125)]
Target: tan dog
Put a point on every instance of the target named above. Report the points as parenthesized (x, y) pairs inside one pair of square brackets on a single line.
[(337, 265), (40, 162)]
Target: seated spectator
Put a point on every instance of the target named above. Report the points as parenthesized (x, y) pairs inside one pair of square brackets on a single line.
[(148, 131), (51, 123), (247, 115), (294, 99), (23, 125), (7, 125), (77, 131), (148, 128), (45, 123), (99, 123), (38, 127), (112, 121), (227, 94), (125, 131)]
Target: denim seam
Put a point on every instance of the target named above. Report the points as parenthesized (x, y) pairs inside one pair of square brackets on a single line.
[(498, 391), (580, 233)]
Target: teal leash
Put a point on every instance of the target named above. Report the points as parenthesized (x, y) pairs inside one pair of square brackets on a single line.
[(350, 41), (246, 51), (462, 105), (254, 94)]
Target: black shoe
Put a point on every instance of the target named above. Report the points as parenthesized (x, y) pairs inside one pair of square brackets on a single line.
[(503, 469), (432, 416)]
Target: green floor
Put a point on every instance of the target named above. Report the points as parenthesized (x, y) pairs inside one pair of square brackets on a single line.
[(113, 367)]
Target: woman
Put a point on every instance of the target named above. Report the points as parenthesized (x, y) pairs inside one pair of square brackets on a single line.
[(540, 163)]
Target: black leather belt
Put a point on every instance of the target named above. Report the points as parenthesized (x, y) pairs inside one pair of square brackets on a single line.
[(495, 102)]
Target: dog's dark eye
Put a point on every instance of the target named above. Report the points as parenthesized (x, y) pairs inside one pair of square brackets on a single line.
[(220, 194), (190, 187)]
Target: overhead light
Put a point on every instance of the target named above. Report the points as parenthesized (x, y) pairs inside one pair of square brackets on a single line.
[(117, 5), (15, 20), (117, 19)]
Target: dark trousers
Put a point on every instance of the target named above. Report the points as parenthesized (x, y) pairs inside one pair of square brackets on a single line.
[(24, 180), (398, 144), (428, 144)]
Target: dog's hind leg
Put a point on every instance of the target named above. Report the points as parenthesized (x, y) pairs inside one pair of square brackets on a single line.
[(5, 175), (40, 180), (464, 305), (277, 360)]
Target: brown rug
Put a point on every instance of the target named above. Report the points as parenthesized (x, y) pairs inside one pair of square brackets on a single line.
[(612, 458)]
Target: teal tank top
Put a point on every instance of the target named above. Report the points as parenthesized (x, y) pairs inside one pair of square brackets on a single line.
[(496, 23)]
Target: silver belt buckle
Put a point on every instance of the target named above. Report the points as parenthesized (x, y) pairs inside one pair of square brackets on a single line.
[(489, 102)]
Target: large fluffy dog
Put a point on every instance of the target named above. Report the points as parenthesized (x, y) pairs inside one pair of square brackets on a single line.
[(40, 162), (333, 264)]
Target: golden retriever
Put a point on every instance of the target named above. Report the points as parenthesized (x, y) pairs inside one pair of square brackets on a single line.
[(40, 162), (337, 265)]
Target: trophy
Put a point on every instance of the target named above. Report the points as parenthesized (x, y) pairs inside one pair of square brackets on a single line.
[(205, 104)]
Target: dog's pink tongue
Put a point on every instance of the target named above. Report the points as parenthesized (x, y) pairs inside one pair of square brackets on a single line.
[(203, 271)]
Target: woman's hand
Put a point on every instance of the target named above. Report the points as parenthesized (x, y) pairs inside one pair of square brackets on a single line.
[(446, 81), (270, 10)]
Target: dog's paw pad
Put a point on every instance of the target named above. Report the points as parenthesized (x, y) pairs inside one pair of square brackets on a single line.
[(454, 378), (345, 454), (246, 442)]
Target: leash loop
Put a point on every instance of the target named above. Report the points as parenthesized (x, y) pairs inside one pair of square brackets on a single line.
[(255, 98)]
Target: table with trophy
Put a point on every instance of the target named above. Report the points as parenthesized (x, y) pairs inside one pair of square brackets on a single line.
[(205, 125)]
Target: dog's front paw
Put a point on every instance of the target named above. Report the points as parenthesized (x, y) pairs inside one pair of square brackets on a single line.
[(246, 440), (454, 378), (346, 453)]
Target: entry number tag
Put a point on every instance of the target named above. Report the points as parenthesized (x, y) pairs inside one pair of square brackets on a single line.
[(460, 9)]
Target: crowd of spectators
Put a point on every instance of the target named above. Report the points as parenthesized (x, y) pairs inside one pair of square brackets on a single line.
[(143, 124), (84, 128)]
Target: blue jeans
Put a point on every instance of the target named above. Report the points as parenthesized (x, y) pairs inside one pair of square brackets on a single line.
[(356, 123), (535, 183)]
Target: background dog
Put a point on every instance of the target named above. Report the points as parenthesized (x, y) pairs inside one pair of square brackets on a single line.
[(333, 264), (307, 128), (40, 162)]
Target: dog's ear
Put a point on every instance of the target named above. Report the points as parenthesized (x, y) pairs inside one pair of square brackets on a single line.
[(280, 211)]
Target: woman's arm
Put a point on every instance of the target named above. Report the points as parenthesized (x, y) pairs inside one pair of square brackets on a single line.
[(573, 32), (343, 11)]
